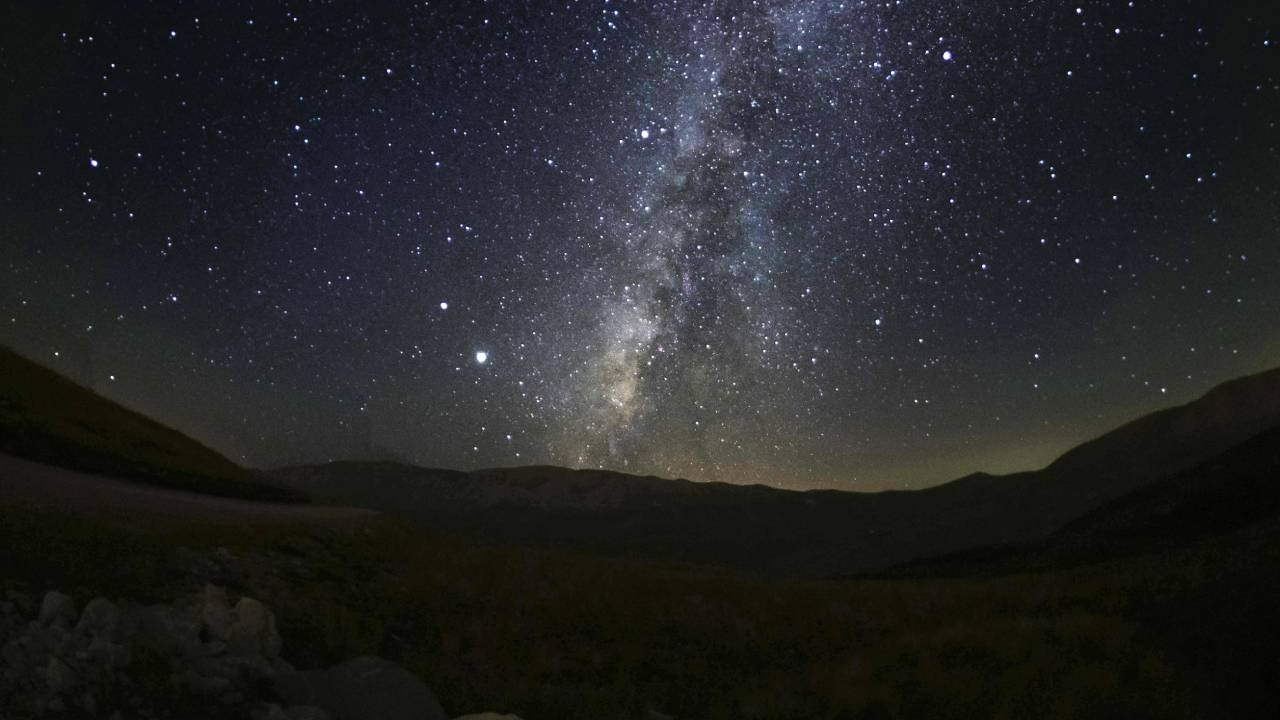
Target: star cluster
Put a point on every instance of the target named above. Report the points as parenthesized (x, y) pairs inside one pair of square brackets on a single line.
[(861, 245)]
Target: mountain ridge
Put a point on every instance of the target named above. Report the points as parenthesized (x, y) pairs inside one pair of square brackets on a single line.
[(756, 528), (814, 532)]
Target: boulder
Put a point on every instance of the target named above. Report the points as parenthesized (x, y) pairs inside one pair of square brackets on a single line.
[(22, 602), (270, 712), (111, 656), (206, 686), (169, 631), (211, 648), (89, 704), (371, 688), (100, 619), (61, 678), (300, 687), (250, 667), (297, 712), (59, 639), (211, 652), (57, 609), (253, 631), (215, 612), (12, 655)]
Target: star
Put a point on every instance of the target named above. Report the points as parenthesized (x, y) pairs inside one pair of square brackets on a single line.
[(687, 235)]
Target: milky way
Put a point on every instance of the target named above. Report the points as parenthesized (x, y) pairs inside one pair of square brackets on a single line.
[(682, 341), (811, 244)]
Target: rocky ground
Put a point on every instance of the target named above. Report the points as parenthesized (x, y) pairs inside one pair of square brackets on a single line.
[(204, 655)]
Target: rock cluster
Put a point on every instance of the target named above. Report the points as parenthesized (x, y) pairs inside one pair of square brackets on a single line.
[(201, 656), (139, 661)]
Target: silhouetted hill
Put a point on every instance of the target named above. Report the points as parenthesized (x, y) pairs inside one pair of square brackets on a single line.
[(806, 533), (1233, 491), (1123, 460), (45, 417), (1164, 442)]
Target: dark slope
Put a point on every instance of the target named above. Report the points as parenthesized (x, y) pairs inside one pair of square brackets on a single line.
[(1031, 505), (811, 533), (1170, 440), (45, 417), (1234, 491)]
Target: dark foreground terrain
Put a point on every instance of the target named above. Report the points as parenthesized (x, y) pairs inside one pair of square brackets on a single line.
[(1187, 632), (1154, 602)]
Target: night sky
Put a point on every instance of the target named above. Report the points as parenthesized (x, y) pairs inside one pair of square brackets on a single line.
[(812, 244)]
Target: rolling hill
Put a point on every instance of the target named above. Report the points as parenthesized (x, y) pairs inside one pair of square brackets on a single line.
[(1235, 491), (816, 533), (824, 533), (46, 417)]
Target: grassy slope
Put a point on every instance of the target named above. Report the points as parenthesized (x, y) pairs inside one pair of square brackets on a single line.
[(557, 635), (45, 417)]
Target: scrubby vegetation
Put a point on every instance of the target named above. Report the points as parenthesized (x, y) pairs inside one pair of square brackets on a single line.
[(553, 635)]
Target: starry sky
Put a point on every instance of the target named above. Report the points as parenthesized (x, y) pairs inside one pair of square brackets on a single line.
[(859, 245)]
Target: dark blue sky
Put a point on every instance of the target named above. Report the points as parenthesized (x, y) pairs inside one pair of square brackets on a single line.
[(854, 245)]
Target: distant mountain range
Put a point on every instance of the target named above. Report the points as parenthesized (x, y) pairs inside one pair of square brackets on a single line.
[(815, 533), (46, 417), (1171, 476)]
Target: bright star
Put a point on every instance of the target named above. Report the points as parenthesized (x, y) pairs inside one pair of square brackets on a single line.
[(482, 357)]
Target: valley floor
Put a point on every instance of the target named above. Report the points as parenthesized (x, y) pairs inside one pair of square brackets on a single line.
[(1187, 633)]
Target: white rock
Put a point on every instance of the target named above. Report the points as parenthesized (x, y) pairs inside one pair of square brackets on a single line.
[(100, 619), (169, 631), (271, 712), (61, 678), (371, 688), (215, 612), (253, 631), (57, 608), (206, 686)]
